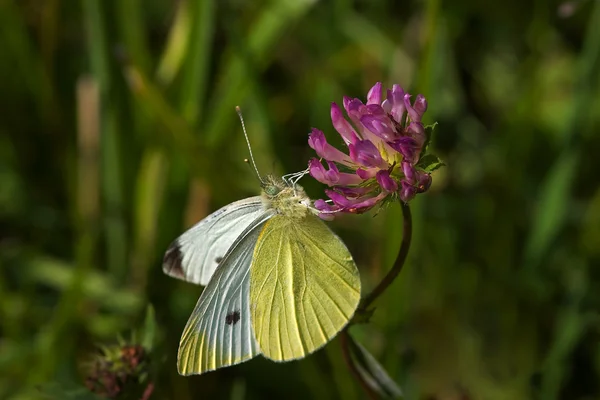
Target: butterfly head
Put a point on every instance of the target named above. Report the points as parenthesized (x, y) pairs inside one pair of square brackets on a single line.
[(285, 198)]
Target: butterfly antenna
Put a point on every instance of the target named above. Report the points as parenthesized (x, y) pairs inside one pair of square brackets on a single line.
[(239, 112)]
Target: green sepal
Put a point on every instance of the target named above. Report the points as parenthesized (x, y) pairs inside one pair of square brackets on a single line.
[(428, 134), (429, 163)]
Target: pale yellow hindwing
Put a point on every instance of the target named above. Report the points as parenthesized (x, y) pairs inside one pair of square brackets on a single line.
[(304, 287)]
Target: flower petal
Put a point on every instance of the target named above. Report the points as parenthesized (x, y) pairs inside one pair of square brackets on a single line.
[(317, 171), (355, 206), (341, 178), (317, 141), (423, 181), (375, 109), (355, 110), (365, 153), (370, 202), (380, 125), (409, 172), (420, 104), (386, 182), (366, 173), (332, 176), (415, 112), (327, 216), (353, 192), (346, 102), (417, 132), (327, 210), (354, 107), (407, 192), (339, 199), (395, 103), (374, 95), (408, 147), (341, 125), (322, 205)]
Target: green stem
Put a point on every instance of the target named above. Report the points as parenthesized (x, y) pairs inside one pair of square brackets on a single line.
[(398, 264), (378, 291)]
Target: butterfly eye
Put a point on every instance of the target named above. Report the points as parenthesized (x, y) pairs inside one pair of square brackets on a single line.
[(271, 190)]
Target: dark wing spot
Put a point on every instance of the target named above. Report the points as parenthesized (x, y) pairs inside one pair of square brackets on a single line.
[(232, 317), (218, 259), (172, 261)]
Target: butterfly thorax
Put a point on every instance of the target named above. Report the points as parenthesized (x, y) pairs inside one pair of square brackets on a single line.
[(288, 200)]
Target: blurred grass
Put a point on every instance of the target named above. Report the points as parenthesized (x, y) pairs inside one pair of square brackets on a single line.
[(119, 131)]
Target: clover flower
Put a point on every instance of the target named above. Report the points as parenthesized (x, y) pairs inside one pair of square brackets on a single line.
[(386, 142), (119, 370)]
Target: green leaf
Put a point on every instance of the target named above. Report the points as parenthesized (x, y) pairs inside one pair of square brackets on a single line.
[(173, 55), (552, 209), (430, 163), (149, 333), (373, 373), (196, 68)]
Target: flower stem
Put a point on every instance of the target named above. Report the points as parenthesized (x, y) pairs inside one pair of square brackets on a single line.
[(344, 342), (398, 264), (148, 392), (378, 291)]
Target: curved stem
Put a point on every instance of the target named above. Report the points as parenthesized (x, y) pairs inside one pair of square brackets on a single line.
[(148, 392), (378, 291), (344, 342), (398, 264)]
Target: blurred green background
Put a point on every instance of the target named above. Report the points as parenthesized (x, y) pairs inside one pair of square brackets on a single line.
[(118, 131)]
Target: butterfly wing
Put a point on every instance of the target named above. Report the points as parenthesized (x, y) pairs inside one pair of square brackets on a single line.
[(304, 287), (219, 331), (195, 254)]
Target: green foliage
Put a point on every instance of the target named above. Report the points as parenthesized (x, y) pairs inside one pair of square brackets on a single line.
[(430, 163), (118, 131)]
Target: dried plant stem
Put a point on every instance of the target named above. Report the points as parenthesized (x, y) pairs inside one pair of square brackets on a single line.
[(344, 341), (398, 264)]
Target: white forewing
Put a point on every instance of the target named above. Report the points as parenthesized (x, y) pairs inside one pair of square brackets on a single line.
[(195, 254), (219, 332)]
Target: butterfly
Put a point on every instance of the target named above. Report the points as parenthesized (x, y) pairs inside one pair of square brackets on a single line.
[(278, 281)]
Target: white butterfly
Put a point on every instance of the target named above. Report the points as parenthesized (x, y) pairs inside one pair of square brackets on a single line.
[(278, 281)]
